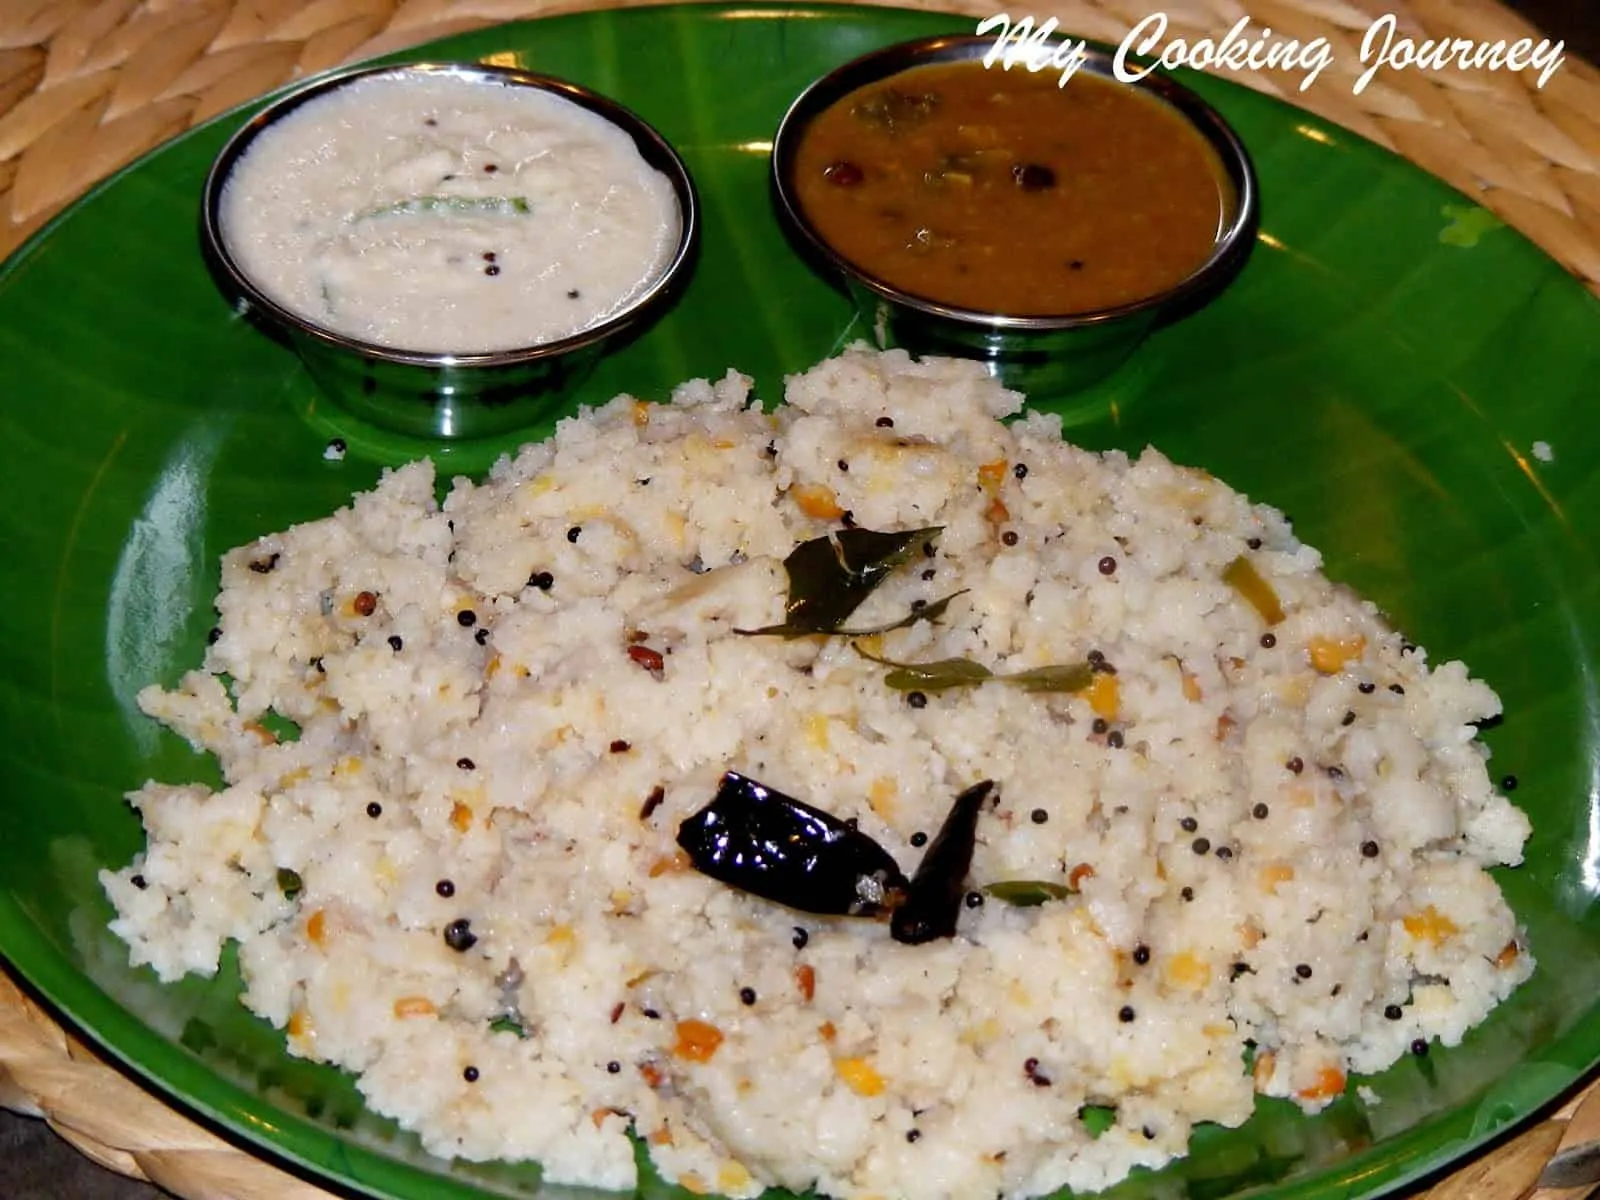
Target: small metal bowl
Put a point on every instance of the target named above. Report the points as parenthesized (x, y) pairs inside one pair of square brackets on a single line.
[(1038, 355), (437, 394)]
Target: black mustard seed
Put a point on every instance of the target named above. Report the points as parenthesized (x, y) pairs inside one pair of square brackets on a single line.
[(458, 935)]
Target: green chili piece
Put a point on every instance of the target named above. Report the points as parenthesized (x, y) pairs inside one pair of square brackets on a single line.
[(450, 204)]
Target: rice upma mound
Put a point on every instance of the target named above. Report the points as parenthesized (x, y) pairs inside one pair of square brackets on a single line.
[(461, 881)]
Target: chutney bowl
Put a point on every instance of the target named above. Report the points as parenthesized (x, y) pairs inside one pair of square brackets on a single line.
[(427, 393)]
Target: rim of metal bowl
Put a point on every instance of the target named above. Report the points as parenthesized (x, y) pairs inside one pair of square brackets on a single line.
[(1232, 241), (652, 146)]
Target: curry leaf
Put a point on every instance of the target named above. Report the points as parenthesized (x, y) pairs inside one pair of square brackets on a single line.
[(1027, 893), (931, 676), (830, 576), (1063, 677), (928, 612), (938, 676), (945, 673)]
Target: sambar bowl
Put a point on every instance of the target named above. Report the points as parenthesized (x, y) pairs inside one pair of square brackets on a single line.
[(1042, 351)]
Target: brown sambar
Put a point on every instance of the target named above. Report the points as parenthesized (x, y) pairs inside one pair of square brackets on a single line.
[(1005, 192)]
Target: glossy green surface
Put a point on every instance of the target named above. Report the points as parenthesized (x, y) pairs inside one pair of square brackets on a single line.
[(1381, 370)]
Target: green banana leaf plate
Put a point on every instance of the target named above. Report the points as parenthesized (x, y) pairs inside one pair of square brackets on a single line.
[(1404, 376)]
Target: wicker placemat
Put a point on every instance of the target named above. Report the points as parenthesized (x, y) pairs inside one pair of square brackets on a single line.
[(88, 85)]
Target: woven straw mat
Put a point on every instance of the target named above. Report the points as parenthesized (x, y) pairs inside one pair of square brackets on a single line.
[(88, 85)]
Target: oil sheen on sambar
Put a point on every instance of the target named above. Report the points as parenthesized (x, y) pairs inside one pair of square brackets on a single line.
[(1003, 192)]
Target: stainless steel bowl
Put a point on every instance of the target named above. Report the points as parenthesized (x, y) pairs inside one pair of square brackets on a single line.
[(1039, 355), (443, 395)]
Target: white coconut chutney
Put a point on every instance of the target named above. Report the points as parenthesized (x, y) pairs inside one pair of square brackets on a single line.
[(446, 213)]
